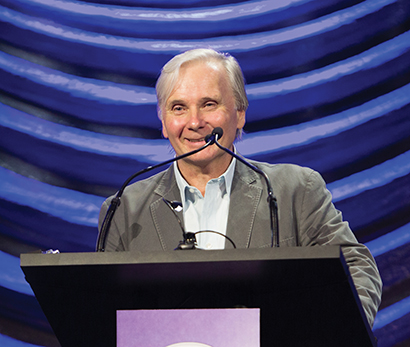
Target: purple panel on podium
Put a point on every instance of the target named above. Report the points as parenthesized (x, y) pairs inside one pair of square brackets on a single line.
[(205, 327)]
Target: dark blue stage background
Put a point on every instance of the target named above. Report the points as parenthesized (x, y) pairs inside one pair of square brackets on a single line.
[(328, 83)]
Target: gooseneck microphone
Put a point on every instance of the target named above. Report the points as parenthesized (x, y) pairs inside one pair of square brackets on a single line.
[(273, 204), (116, 201)]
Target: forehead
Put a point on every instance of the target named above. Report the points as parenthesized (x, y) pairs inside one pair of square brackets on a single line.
[(200, 77)]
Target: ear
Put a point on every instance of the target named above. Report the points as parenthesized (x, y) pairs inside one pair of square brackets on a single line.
[(240, 119), (164, 130)]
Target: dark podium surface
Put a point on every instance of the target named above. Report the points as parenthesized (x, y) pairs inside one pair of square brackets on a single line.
[(305, 294)]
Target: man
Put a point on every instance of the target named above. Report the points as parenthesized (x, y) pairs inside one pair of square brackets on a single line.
[(198, 91)]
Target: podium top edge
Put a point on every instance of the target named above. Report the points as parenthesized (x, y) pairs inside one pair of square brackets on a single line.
[(108, 258)]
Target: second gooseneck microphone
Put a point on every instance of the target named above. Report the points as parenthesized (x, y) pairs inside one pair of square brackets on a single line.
[(273, 205)]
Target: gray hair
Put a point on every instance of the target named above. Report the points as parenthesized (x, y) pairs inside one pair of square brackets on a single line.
[(170, 72)]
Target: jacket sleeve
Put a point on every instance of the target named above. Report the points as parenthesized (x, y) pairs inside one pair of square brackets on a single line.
[(322, 224)]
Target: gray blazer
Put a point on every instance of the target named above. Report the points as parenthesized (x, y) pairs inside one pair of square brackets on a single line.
[(307, 217)]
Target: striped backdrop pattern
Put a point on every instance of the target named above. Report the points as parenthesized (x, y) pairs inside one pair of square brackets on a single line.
[(328, 84)]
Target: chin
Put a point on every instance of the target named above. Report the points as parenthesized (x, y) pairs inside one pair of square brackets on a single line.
[(206, 156)]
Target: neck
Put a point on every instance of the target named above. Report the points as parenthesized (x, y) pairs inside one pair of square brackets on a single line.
[(199, 175)]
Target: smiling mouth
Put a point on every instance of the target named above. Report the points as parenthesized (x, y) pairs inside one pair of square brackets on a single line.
[(196, 140)]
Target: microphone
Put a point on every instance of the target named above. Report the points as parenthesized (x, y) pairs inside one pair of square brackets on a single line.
[(216, 134), (273, 204), (116, 201)]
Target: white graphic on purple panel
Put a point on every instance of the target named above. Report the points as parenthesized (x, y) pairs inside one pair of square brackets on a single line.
[(189, 344)]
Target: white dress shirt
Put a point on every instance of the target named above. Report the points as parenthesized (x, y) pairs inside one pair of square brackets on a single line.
[(209, 212)]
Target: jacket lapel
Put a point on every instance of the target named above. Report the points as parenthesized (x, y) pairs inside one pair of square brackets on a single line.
[(245, 197), (167, 226)]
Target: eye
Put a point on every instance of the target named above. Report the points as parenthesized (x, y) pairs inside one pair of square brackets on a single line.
[(210, 104), (178, 109)]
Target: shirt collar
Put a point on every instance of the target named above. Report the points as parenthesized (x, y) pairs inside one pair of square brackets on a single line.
[(227, 177)]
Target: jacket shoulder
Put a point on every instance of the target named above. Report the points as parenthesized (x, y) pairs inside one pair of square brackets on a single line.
[(286, 171), (148, 184)]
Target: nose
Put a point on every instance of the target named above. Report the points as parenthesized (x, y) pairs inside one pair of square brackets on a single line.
[(196, 120)]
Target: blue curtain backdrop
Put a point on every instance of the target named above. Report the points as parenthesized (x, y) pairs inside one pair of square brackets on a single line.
[(328, 84)]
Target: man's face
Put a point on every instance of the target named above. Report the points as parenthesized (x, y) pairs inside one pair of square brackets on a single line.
[(201, 101)]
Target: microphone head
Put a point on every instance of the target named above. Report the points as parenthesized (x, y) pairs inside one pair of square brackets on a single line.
[(212, 137), (218, 131)]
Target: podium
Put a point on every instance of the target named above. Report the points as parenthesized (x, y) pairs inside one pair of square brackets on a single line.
[(305, 294)]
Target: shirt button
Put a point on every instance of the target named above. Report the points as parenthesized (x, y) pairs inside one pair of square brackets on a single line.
[(191, 190)]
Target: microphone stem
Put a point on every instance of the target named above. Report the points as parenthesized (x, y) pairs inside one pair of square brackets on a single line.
[(115, 202), (273, 204), (153, 167)]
